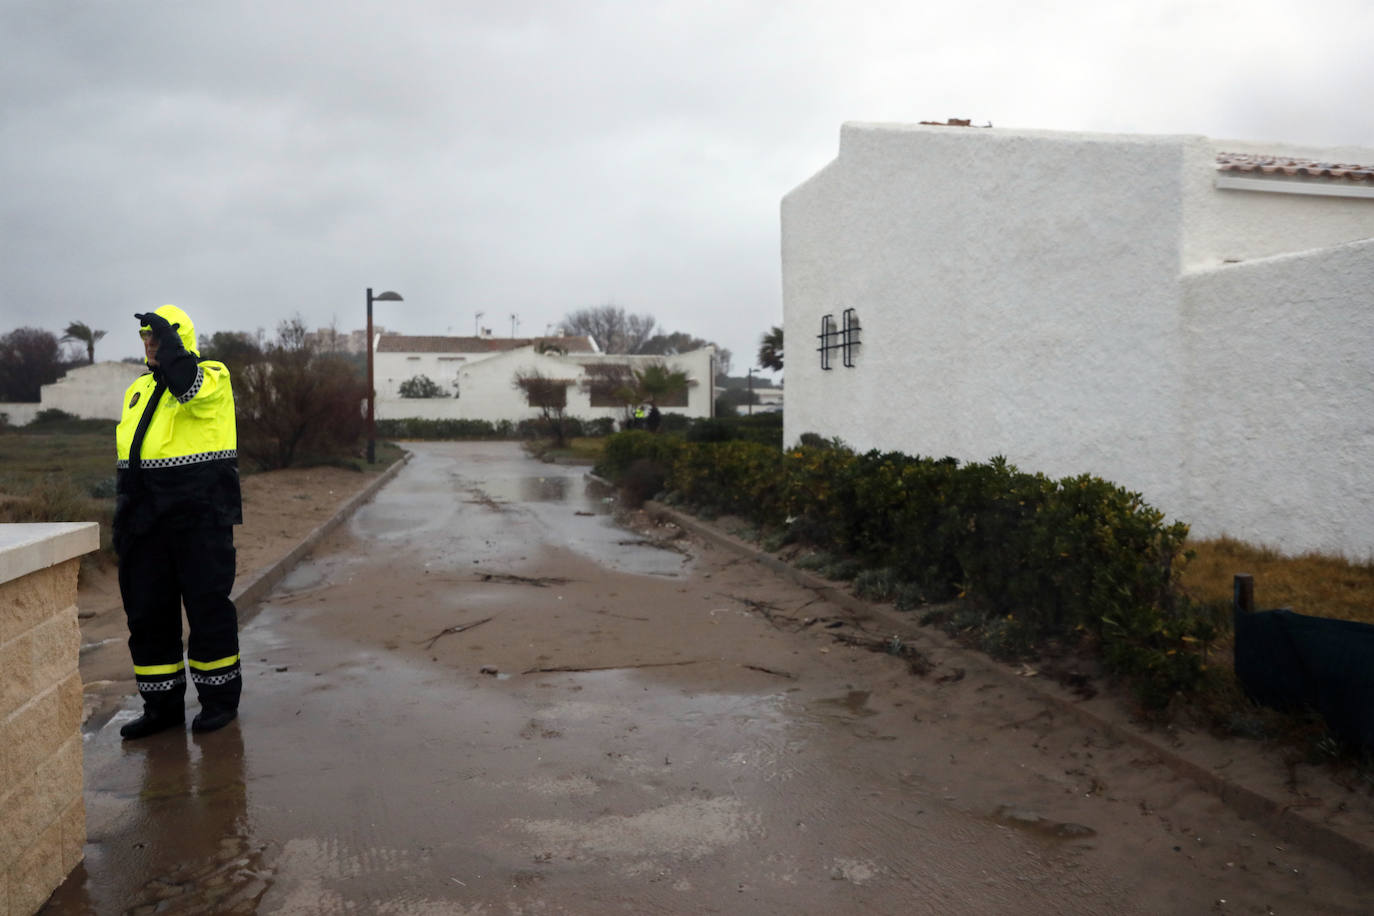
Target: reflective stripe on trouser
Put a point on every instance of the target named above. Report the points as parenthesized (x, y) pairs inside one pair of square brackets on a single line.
[(158, 573), (218, 682), (162, 686)]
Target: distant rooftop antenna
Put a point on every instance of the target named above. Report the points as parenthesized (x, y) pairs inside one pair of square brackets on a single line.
[(477, 324), (514, 323)]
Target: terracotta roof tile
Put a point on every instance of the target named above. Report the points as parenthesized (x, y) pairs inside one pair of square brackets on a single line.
[(402, 343), (1283, 165)]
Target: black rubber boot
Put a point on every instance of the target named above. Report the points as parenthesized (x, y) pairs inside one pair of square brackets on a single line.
[(211, 719), (151, 722)]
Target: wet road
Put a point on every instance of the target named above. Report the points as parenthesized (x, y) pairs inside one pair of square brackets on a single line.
[(485, 697)]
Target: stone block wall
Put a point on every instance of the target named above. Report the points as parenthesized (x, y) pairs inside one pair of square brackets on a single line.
[(42, 816)]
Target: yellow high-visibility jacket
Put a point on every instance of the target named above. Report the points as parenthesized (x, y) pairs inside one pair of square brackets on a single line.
[(178, 456)]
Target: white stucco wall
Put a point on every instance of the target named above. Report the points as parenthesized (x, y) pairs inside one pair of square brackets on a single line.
[(1062, 299), (1280, 433), (1222, 226), (19, 413), (390, 370), (1016, 291), (91, 392)]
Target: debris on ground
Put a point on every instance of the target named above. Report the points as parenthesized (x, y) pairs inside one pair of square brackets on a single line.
[(891, 645), (579, 669), (454, 629), (512, 579)]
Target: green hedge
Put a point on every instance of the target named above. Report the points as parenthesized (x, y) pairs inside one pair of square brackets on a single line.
[(530, 428), (1072, 558)]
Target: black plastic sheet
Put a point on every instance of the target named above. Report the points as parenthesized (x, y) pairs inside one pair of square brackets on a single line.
[(1292, 662)]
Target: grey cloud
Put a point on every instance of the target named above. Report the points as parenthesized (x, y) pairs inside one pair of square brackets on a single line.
[(251, 160)]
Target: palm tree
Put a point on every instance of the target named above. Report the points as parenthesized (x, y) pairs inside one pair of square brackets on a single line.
[(657, 382), (79, 330), (770, 350)]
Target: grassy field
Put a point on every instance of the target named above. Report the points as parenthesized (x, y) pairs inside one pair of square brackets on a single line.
[(65, 472), (1314, 584)]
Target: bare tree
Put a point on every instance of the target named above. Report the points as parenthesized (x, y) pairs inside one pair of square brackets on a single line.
[(298, 405), (613, 330), (680, 342), (550, 395)]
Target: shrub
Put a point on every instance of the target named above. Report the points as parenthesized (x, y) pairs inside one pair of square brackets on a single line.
[(422, 386), (1031, 557), (298, 404), (623, 449), (641, 482), (59, 421)]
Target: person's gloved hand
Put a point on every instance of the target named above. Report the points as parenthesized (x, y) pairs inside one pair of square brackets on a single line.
[(171, 358), (169, 345)]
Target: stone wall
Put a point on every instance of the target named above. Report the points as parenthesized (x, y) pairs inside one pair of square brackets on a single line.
[(42, 816)]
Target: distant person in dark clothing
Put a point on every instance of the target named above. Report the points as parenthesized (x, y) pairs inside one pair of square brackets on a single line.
[(654, 419)]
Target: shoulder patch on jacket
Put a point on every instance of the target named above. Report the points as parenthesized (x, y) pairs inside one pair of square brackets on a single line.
[(134, 400)]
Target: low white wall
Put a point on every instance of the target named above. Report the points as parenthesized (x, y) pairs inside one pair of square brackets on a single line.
[(19, 413), (91, 392), (1280, 421)]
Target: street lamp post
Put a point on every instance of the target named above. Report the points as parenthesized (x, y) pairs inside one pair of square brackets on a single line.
[(371, 388)]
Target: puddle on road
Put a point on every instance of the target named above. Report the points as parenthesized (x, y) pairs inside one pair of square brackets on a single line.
[(551, 489), (485, 513), (1030, 822), (855, 702)]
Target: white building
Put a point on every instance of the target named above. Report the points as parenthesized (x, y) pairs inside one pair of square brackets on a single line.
[(478, 376), (1189, 318), (90, 392)]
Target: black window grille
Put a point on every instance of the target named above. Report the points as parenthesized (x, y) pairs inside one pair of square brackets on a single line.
[(829, 340), (849, 336), (844, 338)]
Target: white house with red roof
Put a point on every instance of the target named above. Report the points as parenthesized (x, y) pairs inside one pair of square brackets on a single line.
[(477, 376), (1192, 319)]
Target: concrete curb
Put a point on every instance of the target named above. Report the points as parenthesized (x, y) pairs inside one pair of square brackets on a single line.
[(247, 595), (1281, 819)]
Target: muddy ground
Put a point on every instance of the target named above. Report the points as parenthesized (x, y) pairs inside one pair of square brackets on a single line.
[(481, 696)]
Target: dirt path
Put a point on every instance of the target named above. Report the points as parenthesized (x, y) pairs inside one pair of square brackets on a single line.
[(482, 698)]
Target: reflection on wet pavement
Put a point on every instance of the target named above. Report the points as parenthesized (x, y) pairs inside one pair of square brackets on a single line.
[(560, 506)]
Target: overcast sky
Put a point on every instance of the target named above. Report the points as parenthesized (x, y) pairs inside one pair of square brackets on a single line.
[(250, 161)]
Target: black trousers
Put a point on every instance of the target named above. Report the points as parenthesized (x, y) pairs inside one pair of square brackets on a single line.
[(158, 573)]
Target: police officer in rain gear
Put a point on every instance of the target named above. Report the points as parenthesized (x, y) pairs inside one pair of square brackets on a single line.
[(176, 502)]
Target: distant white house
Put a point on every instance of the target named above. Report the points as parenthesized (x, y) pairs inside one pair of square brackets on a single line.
[(478, 376), (769, 400), (1190, 318), (90, 392)]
